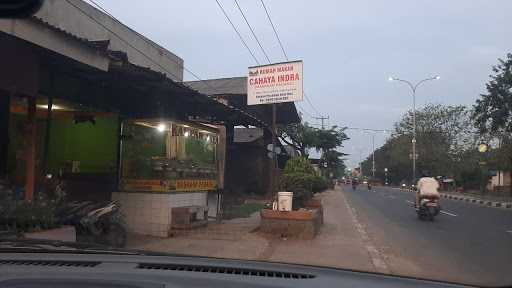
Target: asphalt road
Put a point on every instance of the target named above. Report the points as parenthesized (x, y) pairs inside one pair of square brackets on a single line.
[(468, 243)]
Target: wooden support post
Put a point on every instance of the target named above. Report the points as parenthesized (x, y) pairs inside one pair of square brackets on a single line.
[(4, 131), (31, 149)]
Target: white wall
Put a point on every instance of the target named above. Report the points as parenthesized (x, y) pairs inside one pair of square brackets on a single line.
[(63, 15), (150, 213)]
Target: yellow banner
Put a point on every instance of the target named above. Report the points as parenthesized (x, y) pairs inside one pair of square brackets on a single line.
[(145, 185), (195, 184)]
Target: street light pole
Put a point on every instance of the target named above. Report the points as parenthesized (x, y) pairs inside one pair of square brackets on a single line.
[(413, 90)]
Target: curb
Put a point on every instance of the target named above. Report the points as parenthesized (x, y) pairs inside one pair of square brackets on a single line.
[(496, 204), (493, 204)]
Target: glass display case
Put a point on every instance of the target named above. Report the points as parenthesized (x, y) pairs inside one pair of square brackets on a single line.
[(161, 156)]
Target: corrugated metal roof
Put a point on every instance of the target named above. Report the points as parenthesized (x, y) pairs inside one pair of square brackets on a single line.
[(222, 86), (235, 85), (98, 45)]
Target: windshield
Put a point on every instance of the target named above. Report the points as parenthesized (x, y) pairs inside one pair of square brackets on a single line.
[(365, 135)]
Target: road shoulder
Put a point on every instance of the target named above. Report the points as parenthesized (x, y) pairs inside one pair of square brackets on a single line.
[(339, 244)]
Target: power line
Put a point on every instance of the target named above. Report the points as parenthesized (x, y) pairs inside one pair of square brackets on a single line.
[(284, 52), (275, 31), (311, 104), (369, 129), (129, 44), (305, 112), (238, 33), (252, 31), (148, 57)]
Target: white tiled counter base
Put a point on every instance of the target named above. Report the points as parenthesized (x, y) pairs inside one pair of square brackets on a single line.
[(150, 213)]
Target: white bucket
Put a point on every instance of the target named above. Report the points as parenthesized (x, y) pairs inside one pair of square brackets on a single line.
[(284, 201)]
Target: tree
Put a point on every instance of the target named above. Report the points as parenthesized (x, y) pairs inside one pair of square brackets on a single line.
[(303, 137), (334, 162), (493, 112), (329, 139), (445, 141), (300, 136), (443, 133)]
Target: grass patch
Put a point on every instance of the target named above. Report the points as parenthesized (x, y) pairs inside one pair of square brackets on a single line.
[(242, 211)]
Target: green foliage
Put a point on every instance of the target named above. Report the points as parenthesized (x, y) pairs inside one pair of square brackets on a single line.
[(493, 111), (303, 137), (446, 146), (329, 139), (298, 165), (24, 216), (242, 211), (300, 136), (301, 184), (300, 178), (319, 184)]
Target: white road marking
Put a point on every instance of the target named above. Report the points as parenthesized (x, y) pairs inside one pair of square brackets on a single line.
[(375, 255), (448, 213), (442, 211)]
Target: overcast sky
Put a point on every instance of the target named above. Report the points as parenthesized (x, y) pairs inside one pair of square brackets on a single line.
[(349, 49)]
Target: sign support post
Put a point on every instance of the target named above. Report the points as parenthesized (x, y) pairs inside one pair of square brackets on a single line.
[(271, 84), (274, 154)]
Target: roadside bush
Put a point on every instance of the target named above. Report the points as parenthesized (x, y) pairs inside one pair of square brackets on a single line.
[(23, 216), (301, 184), (300, 178), (298, 165), (319, 184)]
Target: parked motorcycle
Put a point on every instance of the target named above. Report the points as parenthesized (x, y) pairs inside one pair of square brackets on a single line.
[(429, 208), (95, 222)]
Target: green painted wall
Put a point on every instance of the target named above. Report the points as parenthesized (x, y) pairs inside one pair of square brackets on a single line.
[(95, 146)]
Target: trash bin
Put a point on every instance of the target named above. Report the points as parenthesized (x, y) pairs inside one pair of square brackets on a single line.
[(284, 200)]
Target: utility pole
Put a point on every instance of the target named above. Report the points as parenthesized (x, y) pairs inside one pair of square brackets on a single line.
[(322, 118), (373, 155)]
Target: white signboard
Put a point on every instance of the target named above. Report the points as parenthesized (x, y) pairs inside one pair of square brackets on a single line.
[(275, 83)]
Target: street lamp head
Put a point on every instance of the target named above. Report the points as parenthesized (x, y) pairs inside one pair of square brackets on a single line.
[(437, 77), (391, 78)]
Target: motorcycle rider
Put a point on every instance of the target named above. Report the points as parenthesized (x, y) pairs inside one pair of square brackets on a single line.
[(427, 187), (354, 183)]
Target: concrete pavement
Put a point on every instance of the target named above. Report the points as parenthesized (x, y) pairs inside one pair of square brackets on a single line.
[(341, 243)]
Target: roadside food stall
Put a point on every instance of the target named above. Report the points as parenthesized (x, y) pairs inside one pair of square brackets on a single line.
[(167, 168)]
